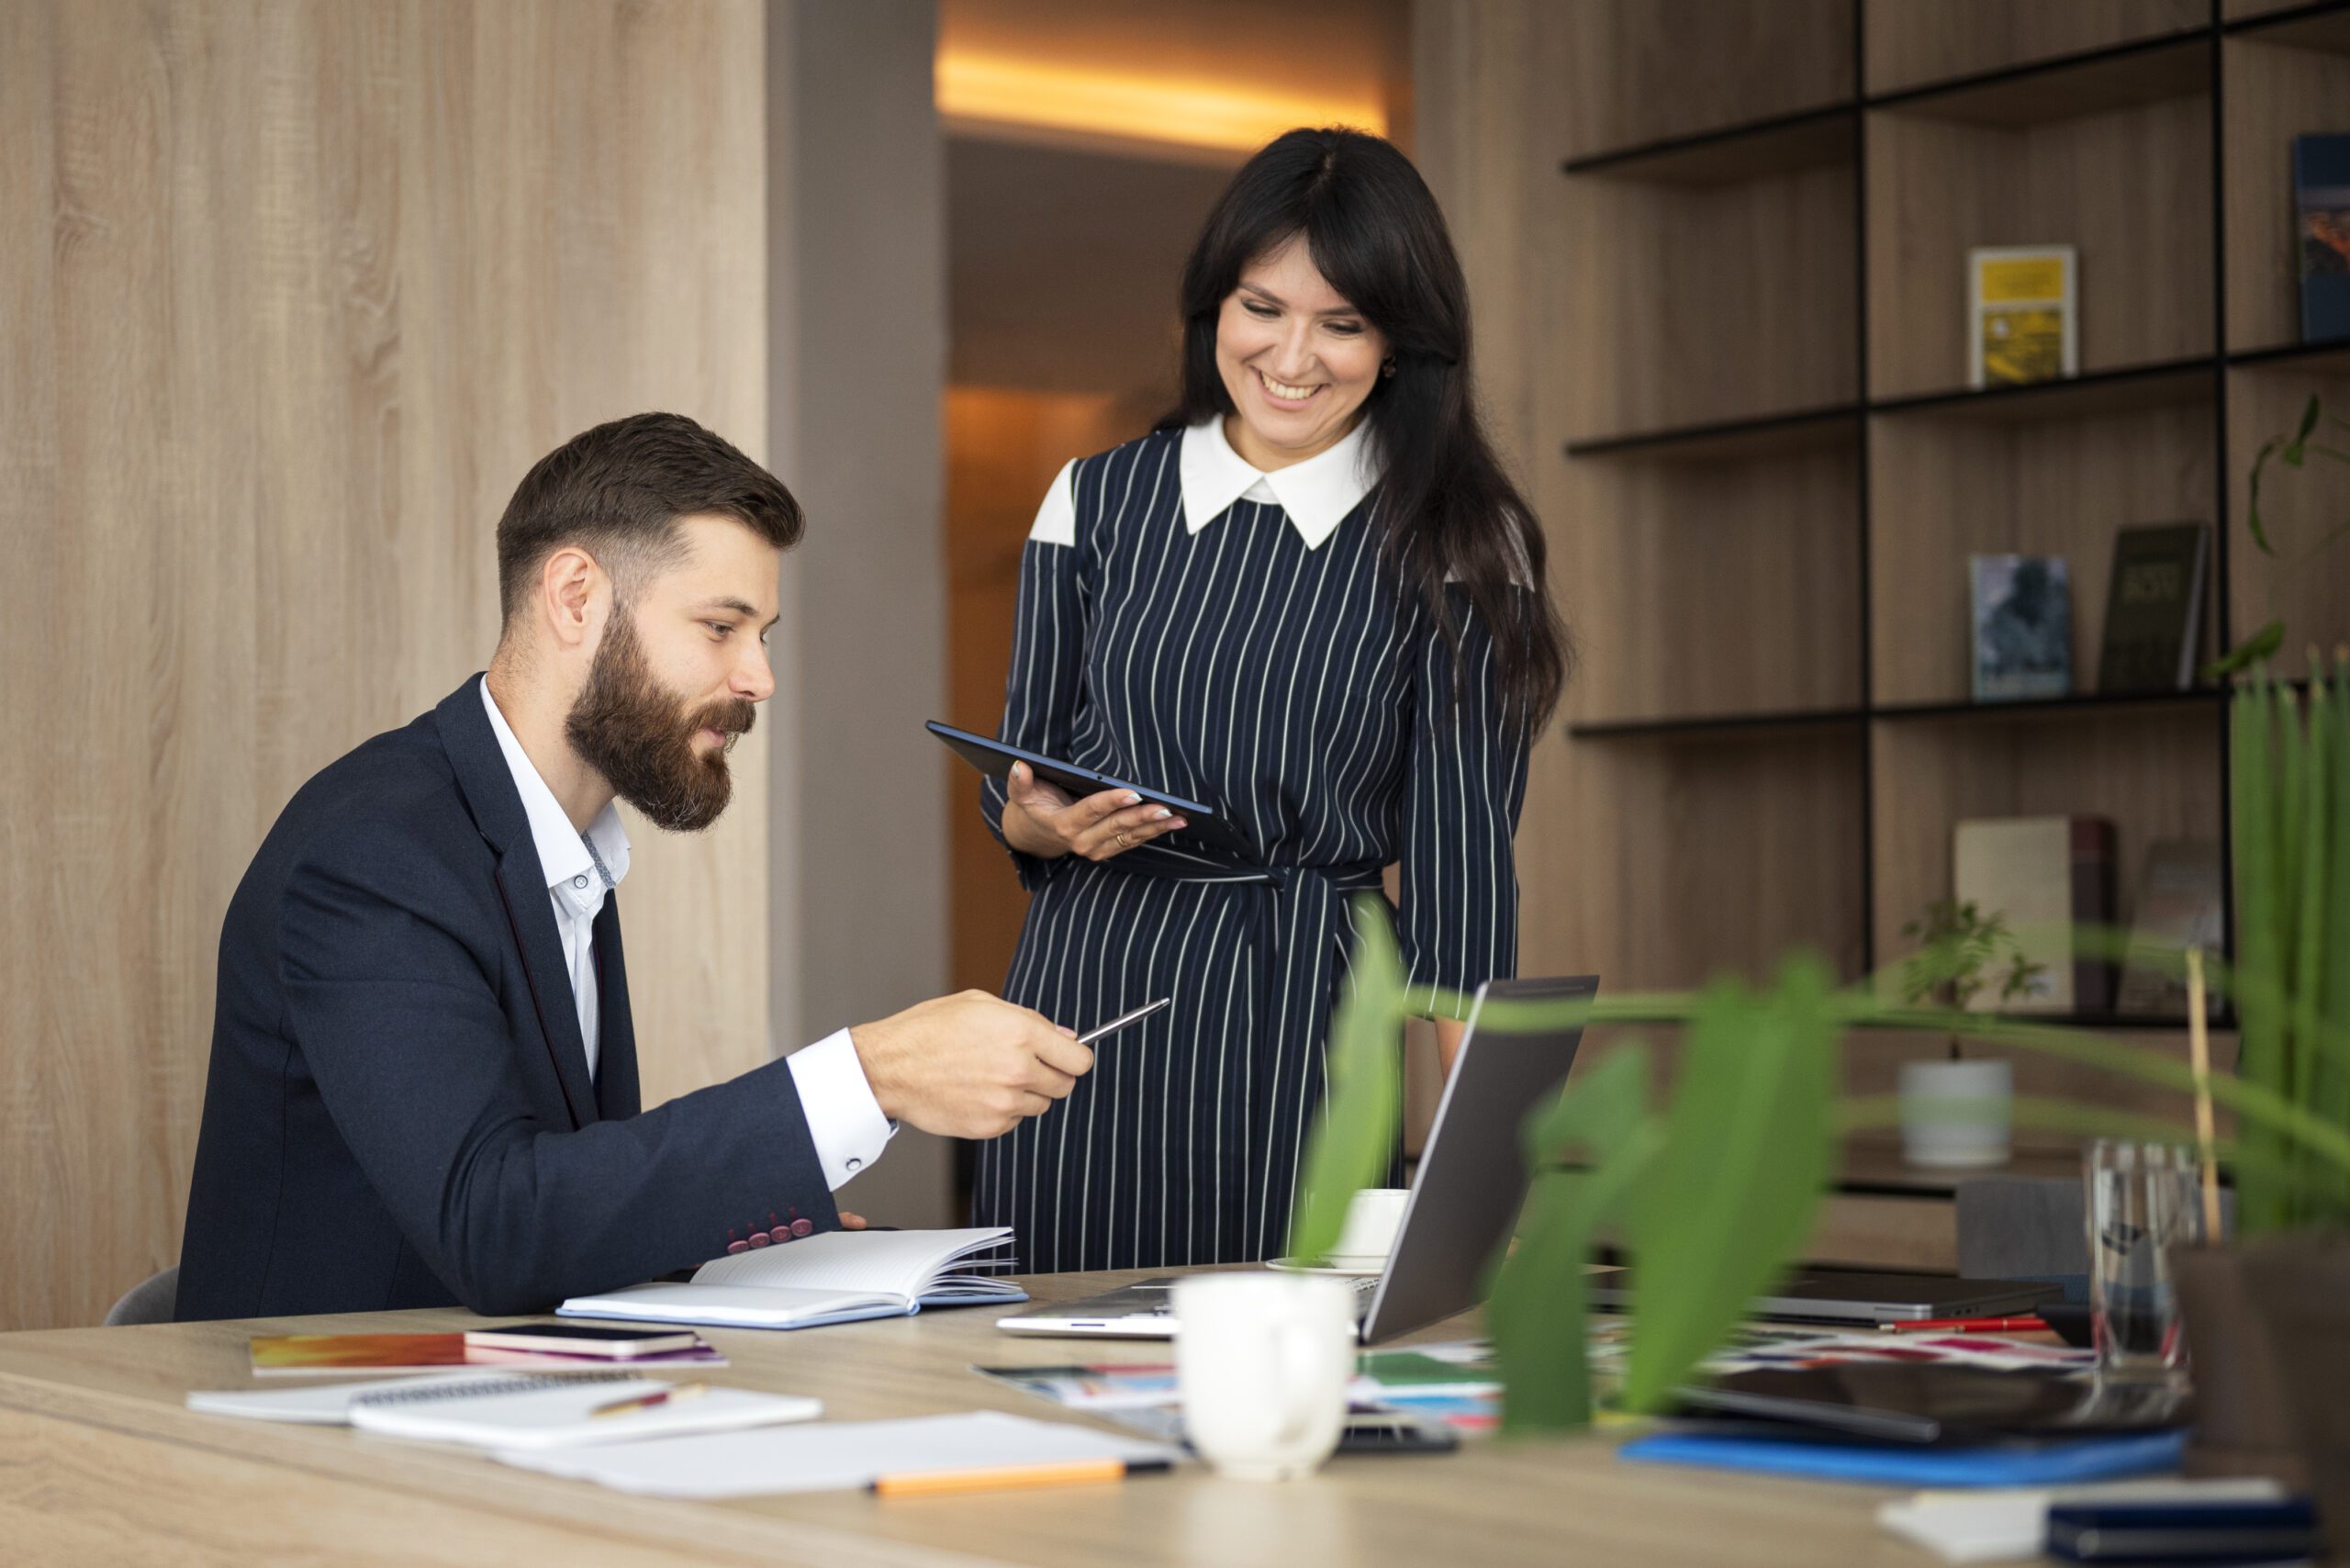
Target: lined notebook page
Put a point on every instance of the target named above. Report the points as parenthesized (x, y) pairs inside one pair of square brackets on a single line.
[(899, 1262)]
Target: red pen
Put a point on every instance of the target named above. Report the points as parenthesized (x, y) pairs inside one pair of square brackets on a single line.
[(1969, 1326)]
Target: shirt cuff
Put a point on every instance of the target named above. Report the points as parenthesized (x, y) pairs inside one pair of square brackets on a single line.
[(844, 1121)]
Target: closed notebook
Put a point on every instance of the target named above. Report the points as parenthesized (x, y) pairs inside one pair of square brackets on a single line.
[(534, 1412), (837, 1276)]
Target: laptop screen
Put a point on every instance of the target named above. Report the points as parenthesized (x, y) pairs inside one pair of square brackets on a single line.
[(1473, 1176)]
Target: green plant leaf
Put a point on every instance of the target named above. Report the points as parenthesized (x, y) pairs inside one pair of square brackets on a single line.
[(1539, 1301), (1354, 1134), (2261, 645), (1730, 1197)]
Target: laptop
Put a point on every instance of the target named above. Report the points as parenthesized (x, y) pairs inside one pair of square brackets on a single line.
[(1464, 1198)]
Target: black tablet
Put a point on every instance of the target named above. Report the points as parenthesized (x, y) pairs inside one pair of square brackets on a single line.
[(1203, 828)]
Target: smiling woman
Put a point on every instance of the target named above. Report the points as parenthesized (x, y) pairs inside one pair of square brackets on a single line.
[(1312, 600)]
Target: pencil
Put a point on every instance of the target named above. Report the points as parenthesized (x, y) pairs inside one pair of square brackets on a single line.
[(1006, 1477)]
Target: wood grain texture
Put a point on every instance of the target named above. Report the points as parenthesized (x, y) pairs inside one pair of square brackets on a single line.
[(99, 1461), (1687, 305), (2155, 772), (2273, 94), (1947, 488), (2131, 189), (1713, 588), (1640, 71), (305, 292), (1912, 42), (2307, 585)]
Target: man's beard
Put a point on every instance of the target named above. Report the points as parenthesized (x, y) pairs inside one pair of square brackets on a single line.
[(639, 735)]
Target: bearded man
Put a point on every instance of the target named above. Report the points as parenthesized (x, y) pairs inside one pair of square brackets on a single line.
[(423, 1087)]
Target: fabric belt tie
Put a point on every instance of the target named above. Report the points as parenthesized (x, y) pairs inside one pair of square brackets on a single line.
[(1266, 884)]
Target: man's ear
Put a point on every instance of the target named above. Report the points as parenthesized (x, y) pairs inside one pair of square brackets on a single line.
[(573, 594)]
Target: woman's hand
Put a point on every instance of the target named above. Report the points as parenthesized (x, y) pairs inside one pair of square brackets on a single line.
[(1042, 821)]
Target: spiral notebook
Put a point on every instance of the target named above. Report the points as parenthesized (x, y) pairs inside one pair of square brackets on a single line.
[(528, 1413), (837, 1276)]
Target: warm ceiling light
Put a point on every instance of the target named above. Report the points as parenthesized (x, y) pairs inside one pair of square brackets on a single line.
[(985, 91)]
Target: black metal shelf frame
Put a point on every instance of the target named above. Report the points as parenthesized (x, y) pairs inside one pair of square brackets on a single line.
[(2183, 63)]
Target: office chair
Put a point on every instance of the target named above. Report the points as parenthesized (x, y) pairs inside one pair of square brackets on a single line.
[(151, 1300)]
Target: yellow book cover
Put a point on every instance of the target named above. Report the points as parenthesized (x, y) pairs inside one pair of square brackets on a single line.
[(2022, 312)]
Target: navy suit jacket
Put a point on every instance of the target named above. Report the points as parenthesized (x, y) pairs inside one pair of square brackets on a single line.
[(399, 1112)]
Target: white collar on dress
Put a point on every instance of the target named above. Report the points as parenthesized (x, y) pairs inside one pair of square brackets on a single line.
[(1317, 494), (563, 850)]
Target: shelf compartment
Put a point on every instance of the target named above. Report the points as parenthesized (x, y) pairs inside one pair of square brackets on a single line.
[(1733, 587), (1694, 305), (2266, 399), (1728, 63), (1772, 435), (1712, 860), (1942, 490), (1919, 45), (2130, 189), (2154, 774), (2273, 91), (1812, 139)]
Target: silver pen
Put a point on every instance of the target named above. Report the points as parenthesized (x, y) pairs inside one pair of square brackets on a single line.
[(1120, 1021)]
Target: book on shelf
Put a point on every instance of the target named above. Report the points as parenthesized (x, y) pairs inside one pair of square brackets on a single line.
[(2322, 234), (2023, 627), (2181, 905), (2044, 874), (2022, 322), (2153, 609)]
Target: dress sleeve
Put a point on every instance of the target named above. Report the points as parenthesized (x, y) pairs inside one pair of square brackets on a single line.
[(1041, 693), (1466, 783)]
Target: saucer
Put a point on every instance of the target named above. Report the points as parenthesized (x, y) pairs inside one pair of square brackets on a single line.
[(1354, 1267)]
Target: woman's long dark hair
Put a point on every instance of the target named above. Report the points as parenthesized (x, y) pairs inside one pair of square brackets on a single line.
[(1376, 235)]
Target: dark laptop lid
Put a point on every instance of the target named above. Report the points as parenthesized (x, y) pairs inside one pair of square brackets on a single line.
[(1472, 1177)]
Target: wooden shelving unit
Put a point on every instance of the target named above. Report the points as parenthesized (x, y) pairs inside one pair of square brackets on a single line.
[(1777, 469)]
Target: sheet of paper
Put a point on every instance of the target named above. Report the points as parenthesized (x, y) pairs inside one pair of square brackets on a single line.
[(2004, 1525), (832, 1456)]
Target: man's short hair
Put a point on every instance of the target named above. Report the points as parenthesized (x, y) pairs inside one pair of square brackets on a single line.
[(617, 491)]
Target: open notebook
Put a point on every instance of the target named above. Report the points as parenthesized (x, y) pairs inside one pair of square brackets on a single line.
[(838, 1276)]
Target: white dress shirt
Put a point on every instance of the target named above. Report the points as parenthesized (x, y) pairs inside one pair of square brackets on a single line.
[(844, 1119)]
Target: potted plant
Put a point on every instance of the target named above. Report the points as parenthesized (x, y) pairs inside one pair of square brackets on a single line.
[(1955, 1113)]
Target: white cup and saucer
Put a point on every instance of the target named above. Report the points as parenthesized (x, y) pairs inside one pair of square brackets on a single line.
[(1373, 1217)]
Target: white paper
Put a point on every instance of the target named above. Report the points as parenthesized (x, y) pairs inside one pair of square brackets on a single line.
[(2000, 1525), (899, 1262), (833, 1456)]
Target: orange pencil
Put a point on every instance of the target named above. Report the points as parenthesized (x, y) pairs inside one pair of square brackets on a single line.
[(1006, 1477)]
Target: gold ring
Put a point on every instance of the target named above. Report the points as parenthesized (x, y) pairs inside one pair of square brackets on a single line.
[(1122, 841)]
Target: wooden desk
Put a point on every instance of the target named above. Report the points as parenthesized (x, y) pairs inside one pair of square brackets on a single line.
[(100, 1462)]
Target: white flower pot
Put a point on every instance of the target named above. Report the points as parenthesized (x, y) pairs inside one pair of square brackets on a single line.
[(1956, 1115)]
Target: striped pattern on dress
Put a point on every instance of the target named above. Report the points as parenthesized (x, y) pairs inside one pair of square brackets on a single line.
[(1289, 688)]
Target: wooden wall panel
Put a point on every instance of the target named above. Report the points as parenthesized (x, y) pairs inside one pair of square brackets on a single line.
[(304, 293), (1911, 43)]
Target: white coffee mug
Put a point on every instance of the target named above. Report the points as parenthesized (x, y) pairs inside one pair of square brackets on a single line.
[(1262, 1361), (1373, 1216)]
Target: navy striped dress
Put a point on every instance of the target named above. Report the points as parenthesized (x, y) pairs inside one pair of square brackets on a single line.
[(1254, 657)]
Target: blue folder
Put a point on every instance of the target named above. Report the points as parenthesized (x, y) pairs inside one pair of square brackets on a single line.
[(2010, 1465)]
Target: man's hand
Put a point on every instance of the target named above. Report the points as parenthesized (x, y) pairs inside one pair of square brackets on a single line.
[(968, 1066)]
